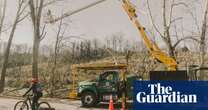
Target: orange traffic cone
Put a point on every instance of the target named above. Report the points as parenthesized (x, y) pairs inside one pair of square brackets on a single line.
[(111, 107), (123, 106)]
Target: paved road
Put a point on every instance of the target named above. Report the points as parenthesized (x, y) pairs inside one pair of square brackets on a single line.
[(8, 104)]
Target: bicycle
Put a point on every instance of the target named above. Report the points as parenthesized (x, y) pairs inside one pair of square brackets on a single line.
[(23, 105)]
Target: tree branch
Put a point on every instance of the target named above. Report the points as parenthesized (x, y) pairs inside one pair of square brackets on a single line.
[(194, 17), (176, 19), (180, 3), (43, 33), (185, 38), (171, 12), (152, 21), (32, 11)]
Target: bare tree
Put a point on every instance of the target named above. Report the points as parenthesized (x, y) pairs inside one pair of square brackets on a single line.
[(168, 21), (202, 40), (36, 7), (20, 10), (57, 47), (2, 14), (199, 35)]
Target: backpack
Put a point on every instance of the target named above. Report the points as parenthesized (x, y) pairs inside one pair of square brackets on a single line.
[(39, 88)]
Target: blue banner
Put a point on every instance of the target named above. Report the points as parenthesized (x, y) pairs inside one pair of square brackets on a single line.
[(170, 95)]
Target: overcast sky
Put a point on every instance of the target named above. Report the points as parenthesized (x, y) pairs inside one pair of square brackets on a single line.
[(100, 21)]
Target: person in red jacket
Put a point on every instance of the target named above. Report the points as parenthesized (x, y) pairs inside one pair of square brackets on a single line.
[(37, 92)]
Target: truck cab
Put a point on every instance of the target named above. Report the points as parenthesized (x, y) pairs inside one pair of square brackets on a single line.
[(112, 81), (99, 90)]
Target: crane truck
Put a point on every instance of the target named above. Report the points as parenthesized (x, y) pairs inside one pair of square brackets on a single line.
[(115, 81), (109, 82)]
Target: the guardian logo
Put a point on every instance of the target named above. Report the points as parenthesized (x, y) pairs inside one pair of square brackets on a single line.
[(162, 94)]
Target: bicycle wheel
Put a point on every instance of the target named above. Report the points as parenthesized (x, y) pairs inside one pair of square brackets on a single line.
[(44, 106), (21, 105)]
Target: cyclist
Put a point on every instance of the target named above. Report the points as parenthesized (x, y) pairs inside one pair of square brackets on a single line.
[(37, 92)]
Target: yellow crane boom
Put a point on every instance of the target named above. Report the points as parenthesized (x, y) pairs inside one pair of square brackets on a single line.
[(154, 50)]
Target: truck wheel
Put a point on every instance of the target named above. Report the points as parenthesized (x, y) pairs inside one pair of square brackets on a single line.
[(88, 99)]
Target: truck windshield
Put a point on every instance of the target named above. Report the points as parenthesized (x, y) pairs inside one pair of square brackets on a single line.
[(108, 76)]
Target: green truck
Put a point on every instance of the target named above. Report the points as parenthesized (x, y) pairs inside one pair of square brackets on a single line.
[(100, 89), (115, 81)]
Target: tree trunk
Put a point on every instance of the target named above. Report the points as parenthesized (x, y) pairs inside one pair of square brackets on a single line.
[(2, 16), (36, 44), (202, 44), (6, 54), (170, 47), (167, 37), (35, 14)]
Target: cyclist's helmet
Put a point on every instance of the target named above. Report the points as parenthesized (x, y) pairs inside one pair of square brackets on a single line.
[(34, 80)]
